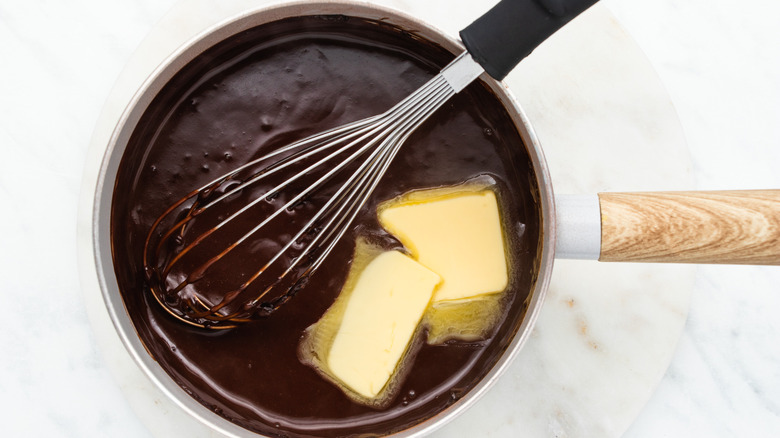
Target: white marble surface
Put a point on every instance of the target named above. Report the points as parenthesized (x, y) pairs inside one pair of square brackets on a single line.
[(720, 62)]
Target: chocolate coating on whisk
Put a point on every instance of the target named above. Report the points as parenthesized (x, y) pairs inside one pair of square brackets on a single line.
[(268, 87)]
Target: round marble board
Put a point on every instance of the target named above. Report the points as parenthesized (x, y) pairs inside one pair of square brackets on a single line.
[(607, 332)]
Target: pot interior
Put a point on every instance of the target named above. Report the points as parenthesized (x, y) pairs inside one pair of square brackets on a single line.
[(260, 82)]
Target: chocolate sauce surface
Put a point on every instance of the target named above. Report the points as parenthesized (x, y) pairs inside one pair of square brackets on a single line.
[(268, 87)]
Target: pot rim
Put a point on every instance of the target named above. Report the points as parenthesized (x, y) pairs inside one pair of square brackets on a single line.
[(101, 191)]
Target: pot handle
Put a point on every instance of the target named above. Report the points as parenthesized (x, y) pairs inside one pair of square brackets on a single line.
[(728, 227), (507, 33)]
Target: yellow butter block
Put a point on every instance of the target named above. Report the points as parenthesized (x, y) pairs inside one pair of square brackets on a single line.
[(384, 309), (364, 341), (457, 235)]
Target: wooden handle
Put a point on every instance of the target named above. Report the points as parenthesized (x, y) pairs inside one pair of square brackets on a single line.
[(735, 227)]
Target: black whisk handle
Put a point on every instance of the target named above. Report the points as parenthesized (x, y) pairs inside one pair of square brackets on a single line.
[(506, 34)]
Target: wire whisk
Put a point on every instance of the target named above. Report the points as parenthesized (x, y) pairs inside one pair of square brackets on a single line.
[(360, 151)]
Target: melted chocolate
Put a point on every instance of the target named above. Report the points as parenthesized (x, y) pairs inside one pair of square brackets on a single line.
[(270, 86)]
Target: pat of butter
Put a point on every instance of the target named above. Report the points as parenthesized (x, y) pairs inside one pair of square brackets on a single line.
[(380, 319), (456, 235)]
